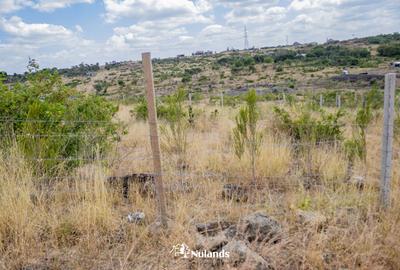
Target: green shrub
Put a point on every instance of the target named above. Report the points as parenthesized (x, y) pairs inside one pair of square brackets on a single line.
[(304, 127), (389, 50), (245, 134), (54, 124)]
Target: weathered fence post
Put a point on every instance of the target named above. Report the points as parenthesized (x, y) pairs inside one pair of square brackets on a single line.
[(190, 99), (222, 99), (387, 139), (155, 143), (321, 100)]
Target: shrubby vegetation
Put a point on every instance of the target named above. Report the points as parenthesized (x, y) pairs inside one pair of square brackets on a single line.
[(54, 123), (246, 136), (79, 70), (303, 126), (383, 39), (337, 55), (389, 50)]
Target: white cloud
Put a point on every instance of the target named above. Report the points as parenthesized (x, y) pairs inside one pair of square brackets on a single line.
[(255, 15), (155, 9), (15, 26), (50, 5), (314, 4), (9, 6), (79, 28)]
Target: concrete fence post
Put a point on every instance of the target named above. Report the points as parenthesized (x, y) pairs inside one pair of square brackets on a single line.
[(321, 100), (387, 140), (154, 139)]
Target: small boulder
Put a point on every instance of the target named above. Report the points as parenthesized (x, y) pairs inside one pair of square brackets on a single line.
[(260, 227), (212, 228), (211, 243), (235, 192), (242, 257)]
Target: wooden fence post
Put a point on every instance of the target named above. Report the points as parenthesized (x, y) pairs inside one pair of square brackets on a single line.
[(387, 139), (321, 100), (155, 143), (222, 99), (190, 99)]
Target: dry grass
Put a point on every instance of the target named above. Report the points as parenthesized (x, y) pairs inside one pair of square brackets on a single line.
[(81, 224)]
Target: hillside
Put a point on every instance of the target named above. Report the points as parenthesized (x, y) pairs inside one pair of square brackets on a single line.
[(276, 69)]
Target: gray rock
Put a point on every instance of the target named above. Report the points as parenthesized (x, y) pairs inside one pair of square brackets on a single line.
[(212, 228), (235, 192), (136, 217), (242, 257), (211, 243), (260, 227)]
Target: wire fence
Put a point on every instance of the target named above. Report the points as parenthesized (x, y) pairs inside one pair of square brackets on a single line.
[(300, 172)]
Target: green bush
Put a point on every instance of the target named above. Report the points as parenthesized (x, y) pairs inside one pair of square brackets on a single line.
[(54, 124), (304, 127), (389, 50)]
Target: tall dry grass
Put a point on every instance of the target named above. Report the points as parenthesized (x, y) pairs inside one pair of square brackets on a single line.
[(80, 223)]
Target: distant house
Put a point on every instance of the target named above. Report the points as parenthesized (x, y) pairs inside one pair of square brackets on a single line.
[(180, 56), (396, 64), (202, 53)]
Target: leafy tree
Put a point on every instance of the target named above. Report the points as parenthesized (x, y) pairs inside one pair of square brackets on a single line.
[(246, 135)]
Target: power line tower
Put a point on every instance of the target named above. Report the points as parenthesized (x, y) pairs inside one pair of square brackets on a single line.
[(246, 38)]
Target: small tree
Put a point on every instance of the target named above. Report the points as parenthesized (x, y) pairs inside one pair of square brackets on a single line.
[(174, 130), (246, 135), (357, 146)]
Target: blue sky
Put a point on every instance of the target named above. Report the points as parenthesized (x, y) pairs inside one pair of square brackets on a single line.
[(62, 33)]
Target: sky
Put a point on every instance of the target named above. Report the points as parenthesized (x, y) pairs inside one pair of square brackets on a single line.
[(62, 33)]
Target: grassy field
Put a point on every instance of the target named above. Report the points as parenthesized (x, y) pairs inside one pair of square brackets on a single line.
[(81, 223)]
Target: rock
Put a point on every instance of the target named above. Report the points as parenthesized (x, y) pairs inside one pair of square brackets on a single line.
[(242, 257), (212, 228), (235, 192), (309, 218), (212, 243), (136, 217), (260, 227), (231, 232)]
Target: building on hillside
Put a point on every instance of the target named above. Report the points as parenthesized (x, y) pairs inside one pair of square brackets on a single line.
[(179, 56), (202, 53), (395, 64)]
